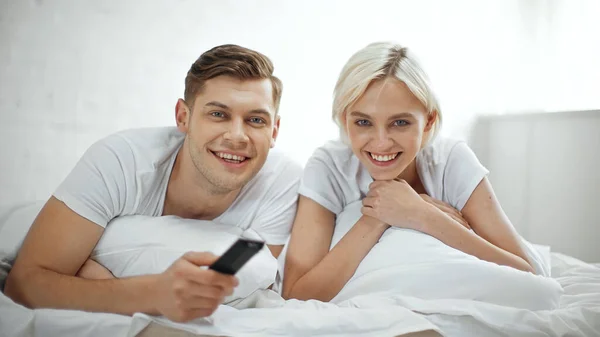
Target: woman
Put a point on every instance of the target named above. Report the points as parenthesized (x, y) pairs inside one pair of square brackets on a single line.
[(389, 158)]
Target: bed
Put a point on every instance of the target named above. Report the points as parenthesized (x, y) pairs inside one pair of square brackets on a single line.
[(264, 313)]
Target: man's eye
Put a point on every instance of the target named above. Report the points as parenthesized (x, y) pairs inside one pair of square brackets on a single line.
[(362, 122), (257, 120), (217, 114)]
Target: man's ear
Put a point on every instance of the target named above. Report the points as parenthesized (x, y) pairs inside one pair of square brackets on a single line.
[(275, 131), (182, 115), (431, 118)]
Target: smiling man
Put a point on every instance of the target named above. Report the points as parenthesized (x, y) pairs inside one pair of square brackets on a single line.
[(215, 165)]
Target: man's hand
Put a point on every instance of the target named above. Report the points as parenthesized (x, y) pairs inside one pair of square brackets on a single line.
[(446, 208), (185, 291), (93, 270)]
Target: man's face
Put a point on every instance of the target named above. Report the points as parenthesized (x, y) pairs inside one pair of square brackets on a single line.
[(230, 130)]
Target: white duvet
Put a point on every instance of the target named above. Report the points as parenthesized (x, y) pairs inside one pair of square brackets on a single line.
[(407, 262), (409, 282), (578, 314)]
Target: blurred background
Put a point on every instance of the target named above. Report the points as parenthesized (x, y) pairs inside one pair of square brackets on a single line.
[(520, 80)]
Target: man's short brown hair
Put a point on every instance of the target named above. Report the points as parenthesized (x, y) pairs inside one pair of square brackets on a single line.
[(230, 60)]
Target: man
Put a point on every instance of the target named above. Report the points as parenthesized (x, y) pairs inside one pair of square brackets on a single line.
[(215, 163)]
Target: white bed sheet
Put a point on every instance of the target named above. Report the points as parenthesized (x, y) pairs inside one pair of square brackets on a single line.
[(368, 315)]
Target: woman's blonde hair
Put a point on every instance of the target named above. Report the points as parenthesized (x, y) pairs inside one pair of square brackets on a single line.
[(378, 61)]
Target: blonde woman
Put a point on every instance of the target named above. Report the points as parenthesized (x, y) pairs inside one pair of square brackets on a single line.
[(390, 158)]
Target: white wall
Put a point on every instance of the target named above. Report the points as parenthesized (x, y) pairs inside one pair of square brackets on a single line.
[(74, 71), (545, 172)]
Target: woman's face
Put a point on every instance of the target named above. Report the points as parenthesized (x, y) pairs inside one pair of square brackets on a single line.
[(387, 127)]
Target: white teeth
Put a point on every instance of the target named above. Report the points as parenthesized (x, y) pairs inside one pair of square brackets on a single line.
[(230, 156), (384, 157)]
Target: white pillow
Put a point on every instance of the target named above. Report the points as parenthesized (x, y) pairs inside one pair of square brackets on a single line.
[(14, 225), (139, 245), (412, 263)]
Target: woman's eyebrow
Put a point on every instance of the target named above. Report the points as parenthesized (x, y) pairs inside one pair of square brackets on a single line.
[(402, 115), (359, 114)]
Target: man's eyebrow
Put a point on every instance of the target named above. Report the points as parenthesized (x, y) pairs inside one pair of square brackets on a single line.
[(217, 104), (260, 112)]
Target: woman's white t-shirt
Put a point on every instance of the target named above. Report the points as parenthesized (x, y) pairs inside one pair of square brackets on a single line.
[(334, 177)]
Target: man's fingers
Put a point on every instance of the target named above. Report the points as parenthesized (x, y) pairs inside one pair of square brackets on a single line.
[(208, 291), (215, 292), (200, 302), (213, 278), (205, 276), (200, 258)]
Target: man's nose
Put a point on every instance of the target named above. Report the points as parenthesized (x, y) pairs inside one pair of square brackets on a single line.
[(236, 132)]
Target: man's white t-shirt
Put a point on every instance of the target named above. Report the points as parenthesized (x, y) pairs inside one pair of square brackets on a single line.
[(127, 173), (334, 177)]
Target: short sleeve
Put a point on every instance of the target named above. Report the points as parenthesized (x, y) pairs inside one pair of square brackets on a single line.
[(319, 182), (462, 174), (278, 209), (96, 188)]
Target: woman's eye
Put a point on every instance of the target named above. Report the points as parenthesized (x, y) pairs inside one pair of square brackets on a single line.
[(362, 122), (401, 122)]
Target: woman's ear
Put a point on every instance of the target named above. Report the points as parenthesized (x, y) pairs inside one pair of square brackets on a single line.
[(182, 115), (431, 119)]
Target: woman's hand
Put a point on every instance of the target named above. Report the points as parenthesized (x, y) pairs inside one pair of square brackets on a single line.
[(395, 203), (446, 208), (93, 270)]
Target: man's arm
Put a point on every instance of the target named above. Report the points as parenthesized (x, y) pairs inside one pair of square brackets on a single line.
[(58, 244)]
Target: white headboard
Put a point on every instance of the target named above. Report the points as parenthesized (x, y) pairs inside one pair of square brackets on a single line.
[(545, 169)]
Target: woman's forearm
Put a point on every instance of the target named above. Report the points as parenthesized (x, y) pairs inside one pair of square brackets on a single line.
[(328, 277), (453, 234)]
